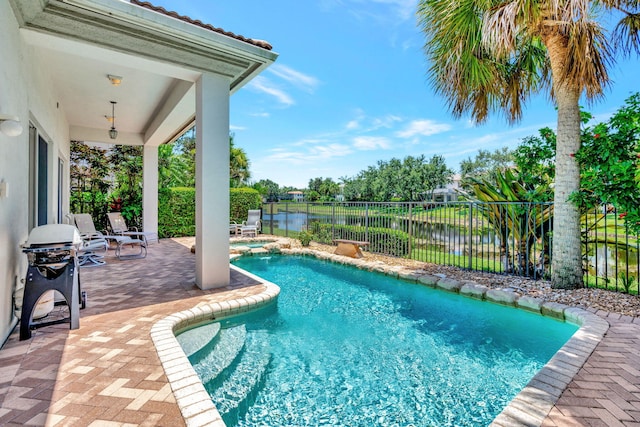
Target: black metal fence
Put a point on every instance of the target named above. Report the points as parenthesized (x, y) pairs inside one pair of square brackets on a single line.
[(507, 238)]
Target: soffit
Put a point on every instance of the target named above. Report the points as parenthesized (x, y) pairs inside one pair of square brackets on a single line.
[(159, 57)]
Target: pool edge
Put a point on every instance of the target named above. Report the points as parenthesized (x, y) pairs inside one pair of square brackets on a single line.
[(195, 404)]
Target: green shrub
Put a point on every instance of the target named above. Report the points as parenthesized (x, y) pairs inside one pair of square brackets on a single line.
[(241, 201), (177, 209), (305, 237), (381, 240), (176, 212)]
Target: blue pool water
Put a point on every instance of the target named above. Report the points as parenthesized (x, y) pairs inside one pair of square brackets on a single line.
[(346, 347)]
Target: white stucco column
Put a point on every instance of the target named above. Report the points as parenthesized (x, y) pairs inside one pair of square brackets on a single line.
[(150, 189), (212, 181)]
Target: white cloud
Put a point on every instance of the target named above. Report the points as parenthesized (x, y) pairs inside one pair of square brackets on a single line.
[(262, 84), (263, 114), (233, 127), (310, 155), (385, 122), (352, 125), (296, 78), (329, 151), (424, 128), (371, 143)]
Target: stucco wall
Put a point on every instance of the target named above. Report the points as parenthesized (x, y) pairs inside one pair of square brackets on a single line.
[(25, 91)]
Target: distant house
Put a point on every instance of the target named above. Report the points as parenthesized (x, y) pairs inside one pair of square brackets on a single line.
[(448, 193), (296, 196)]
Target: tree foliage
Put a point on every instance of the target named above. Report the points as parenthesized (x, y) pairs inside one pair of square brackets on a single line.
[(610, 164), (323, 189), (410, 179), (486, 163)]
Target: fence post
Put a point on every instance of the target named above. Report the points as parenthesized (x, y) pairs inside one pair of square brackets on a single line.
[(333, 219), (271, 218), (286, 219), (410, 230), (470, 234), (366, 221)]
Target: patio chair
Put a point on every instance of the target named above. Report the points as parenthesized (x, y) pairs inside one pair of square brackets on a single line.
[(93, 247), (86, 227), (119, 227), (234, 228), (253, 220)]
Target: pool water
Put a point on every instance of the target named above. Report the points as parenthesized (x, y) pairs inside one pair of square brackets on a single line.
[(346, 347), (251, 244)]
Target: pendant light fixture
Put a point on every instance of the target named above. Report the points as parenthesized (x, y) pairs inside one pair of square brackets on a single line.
[(113, 133)]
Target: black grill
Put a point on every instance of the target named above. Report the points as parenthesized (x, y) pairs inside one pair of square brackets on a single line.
[(53, 265)]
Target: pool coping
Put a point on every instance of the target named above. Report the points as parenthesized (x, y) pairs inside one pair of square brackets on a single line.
[(194, 402), (529, 407)]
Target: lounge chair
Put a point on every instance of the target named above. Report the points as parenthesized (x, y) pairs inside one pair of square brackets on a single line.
[(119, 227), (84, 224), (234, 228), (93, 247), (253, 220)]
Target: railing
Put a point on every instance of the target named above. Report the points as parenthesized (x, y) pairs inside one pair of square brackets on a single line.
[(507, 238)]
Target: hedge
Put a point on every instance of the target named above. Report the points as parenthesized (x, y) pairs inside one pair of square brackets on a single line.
[(177, 209), (242, 200), (176, 212)]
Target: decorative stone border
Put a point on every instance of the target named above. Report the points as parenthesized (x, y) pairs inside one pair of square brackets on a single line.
[(529, 408), (193, 400)]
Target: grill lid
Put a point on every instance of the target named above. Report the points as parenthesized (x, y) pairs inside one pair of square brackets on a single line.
[(54, 234)]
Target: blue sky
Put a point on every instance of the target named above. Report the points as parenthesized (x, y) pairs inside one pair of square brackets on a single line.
[(350, 88)]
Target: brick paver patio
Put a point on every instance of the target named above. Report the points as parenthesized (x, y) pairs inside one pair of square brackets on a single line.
[(107, 373)]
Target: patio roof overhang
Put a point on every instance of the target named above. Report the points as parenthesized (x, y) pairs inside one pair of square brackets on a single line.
[(160, 57)]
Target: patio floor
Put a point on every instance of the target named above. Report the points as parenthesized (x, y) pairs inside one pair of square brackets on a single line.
[(107, 373)]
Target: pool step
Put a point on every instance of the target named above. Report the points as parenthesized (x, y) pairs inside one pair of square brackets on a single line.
[(235, 389), (198, 339), (228, 345)]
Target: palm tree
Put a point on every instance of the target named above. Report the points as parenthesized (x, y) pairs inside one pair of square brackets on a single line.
[(239, 165), (492, 55)]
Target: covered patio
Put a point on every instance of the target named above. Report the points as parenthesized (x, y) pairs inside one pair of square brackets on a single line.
[(114, 72)]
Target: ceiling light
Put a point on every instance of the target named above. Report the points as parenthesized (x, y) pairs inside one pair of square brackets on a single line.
[(113, 133), (115, 80), (10, 125)]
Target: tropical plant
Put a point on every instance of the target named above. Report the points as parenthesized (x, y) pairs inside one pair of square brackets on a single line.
[(238, 165), (610, 163), (508, 204), (305, 237), (492, 55), (89, 181)]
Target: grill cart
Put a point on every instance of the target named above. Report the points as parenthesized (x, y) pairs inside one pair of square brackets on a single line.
[(53, 265)]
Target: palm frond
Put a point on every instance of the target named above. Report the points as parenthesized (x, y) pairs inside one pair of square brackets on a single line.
[(588, 56), (626, 35)]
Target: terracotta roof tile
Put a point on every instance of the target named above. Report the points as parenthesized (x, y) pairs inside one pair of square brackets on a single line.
[(260, 43)]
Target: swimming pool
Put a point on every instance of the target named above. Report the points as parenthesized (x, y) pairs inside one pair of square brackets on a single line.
[(350, 347), (252, 244)]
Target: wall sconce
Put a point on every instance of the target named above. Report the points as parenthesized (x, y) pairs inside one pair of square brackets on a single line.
[(115, 80), (10, 125), (113, 133)]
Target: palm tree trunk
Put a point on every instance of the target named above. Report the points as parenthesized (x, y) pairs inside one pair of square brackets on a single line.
[(566, 265)]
